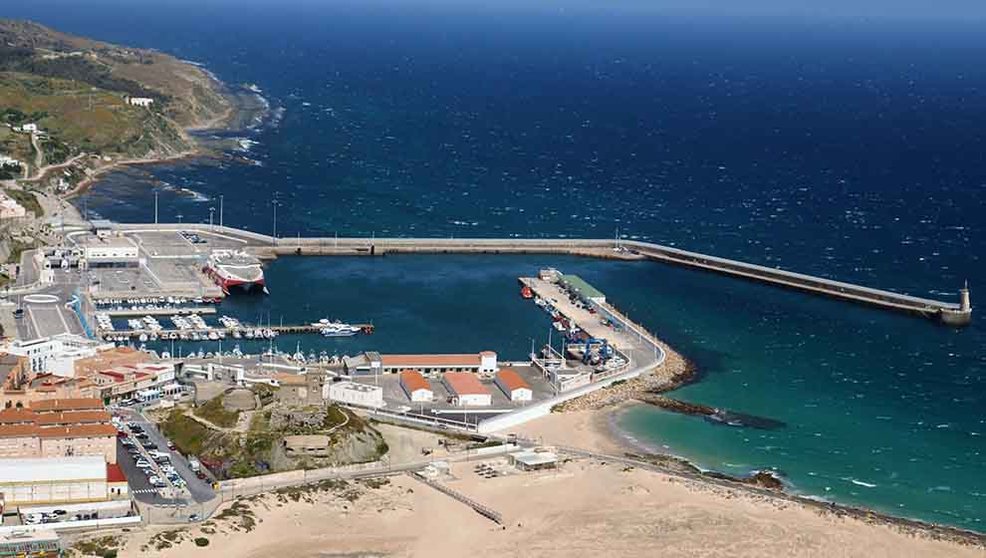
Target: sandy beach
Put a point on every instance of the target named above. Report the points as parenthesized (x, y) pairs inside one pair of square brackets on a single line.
[(582, 509)]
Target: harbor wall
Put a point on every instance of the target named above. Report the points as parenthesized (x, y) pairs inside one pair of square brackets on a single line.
[(266, 246)]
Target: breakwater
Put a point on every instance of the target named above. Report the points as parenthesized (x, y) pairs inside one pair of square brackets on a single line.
[(951, 313)]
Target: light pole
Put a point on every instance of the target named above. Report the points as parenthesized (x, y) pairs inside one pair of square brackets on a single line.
[(220, 211), (212, 210), (155, 207), (179, 218), (275, 203)]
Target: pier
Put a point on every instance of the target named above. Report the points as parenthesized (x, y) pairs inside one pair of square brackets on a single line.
[(175, 334), (951, 313), (157, 311)]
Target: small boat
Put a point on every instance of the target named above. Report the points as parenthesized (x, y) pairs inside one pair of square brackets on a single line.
[(526, 292)]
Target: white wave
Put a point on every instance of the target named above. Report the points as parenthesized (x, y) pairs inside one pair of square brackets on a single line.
[(861, 483), (196, 196)]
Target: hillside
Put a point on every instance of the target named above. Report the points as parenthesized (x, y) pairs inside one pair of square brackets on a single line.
[(76, 89)]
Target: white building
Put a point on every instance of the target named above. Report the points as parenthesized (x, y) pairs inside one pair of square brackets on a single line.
[(352, 393), (25, 481), (111, 251), (140, 101), (513, 386), (466, 390), (57, 354), (416, 387), (27, 128)]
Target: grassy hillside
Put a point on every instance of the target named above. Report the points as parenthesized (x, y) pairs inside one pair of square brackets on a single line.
[(75, 89)]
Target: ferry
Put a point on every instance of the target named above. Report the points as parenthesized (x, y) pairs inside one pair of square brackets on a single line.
[(235, 268)]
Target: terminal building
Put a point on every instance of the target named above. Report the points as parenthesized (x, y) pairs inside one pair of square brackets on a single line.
[(110, 251), (466, 390), (372, 363)]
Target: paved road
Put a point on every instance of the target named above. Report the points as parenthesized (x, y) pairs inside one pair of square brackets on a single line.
[(198, 491)]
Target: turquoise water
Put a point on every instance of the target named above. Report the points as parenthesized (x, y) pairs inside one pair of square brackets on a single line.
[(853, 151)]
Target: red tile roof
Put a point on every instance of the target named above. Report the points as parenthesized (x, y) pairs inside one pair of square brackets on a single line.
[(510, 379), (17, 430), (464, 383), (14, 416), (78, 431), (71, 404), (413, 381), (430, 360), (114, 473)]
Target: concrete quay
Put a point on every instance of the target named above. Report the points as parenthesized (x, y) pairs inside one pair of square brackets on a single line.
[(950, 313)]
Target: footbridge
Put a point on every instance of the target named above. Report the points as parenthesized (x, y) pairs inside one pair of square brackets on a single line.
[(951, 313)]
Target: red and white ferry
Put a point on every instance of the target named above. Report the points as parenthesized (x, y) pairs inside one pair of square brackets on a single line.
[(229, 268)]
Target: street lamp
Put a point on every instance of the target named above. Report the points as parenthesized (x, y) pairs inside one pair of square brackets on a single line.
[(275, 203), (212, 210), (220, 211), (179, 218)]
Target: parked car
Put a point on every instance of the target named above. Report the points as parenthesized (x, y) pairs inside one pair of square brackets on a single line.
[(149, 445), (143, 463), (34, 518)]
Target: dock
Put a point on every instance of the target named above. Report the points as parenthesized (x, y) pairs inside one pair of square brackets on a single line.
[(175, 334), (951, 313), (158, 311)]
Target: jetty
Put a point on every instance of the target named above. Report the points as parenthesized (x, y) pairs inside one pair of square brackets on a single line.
[(957, 313)]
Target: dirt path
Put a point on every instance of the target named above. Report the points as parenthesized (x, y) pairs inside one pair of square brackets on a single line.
[(39, 155)]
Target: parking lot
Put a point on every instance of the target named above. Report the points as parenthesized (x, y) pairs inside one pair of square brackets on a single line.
[(189, 488)]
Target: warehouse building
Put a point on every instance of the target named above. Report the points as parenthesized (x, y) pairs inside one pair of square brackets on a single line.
[(372, 363), (36, 481), (416, 387), (513, 386), (351, 393), (467, 390)]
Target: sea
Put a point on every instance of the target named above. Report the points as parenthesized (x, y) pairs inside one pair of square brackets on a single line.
[(850, 149)]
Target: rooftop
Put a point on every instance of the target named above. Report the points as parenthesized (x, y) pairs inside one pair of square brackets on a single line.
[(413, 380), (534, 458), (463, 360), (40, 469), (579, 285), (69, 404), (511, 379), (465, 383)]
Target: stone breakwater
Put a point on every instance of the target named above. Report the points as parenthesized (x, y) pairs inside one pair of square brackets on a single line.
[(674, 372)]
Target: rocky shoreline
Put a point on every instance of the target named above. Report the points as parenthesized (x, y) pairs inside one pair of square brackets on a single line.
[(675, 372)]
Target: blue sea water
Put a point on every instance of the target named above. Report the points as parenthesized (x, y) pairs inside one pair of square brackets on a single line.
[(848, 150)]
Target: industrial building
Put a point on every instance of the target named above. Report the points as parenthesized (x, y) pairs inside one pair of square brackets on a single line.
[(38, 481), (467, 390), (416, 387), (371, 363), (513, 386), (351, 393)]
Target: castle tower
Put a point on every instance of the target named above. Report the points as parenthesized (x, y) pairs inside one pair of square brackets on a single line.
[(964, 303)]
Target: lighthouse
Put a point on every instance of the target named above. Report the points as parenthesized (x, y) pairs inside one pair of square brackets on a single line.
[(964, 304)]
